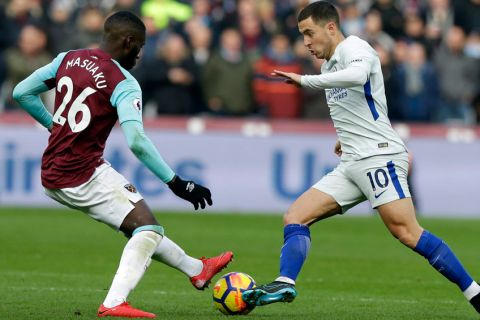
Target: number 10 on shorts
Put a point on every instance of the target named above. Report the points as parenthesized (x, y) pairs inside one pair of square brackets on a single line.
[(379, 178)]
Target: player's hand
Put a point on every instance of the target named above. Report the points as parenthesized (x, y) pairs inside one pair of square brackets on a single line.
[(289, 77), (191, 191), (338, 148)]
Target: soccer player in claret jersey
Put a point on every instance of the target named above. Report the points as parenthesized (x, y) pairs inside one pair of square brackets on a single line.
[(374, 160), (93, 90)]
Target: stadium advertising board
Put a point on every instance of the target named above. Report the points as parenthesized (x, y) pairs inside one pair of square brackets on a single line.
[(260, 173)]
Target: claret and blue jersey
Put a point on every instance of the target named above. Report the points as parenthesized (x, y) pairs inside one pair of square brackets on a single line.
[(92, 92)]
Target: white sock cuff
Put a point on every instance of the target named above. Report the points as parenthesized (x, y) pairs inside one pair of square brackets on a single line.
[(285, 279), (472, 291)]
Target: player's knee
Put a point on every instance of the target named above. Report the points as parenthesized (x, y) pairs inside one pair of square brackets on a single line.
[(291, 217), (287, 218), (405, 236)]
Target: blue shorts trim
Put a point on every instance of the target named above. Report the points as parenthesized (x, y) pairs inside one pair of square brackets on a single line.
[(394, 177)]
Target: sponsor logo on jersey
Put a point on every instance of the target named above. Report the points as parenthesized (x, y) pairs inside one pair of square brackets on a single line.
[(335, 94), (130, 188), (355, 60), (137, 104)]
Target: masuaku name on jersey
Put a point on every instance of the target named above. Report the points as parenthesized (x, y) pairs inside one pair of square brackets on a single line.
[(91, 67)]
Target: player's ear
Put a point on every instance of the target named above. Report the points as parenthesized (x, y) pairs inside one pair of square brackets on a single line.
[(331, 27), (128, 42)]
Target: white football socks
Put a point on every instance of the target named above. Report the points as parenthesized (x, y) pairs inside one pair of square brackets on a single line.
[(172, 255), (136, 258), (471, 291)]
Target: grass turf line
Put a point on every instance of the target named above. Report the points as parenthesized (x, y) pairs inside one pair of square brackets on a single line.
[(58, 264)]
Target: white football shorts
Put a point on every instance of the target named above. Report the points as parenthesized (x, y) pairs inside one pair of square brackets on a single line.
[(107, 196), (380, 179)]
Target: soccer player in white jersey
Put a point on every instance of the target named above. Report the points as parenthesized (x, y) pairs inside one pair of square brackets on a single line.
[(374, 160)]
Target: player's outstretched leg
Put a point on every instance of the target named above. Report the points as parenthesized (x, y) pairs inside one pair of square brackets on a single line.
[(135, 259), (442, 258), (399, 217), (293, 255), (200, 271)]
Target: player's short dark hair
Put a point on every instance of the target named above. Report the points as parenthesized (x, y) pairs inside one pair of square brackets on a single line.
[(320, 11), (124, 20)]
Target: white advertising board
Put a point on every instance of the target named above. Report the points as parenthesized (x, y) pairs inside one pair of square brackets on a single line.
[(246, 174)]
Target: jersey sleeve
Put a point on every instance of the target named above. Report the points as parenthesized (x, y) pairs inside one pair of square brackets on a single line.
[(127, 98), (346, 78), (145, 151), (26, 93)]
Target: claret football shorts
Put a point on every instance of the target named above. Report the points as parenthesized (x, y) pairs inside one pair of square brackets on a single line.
[(106, 197), (380, 179)]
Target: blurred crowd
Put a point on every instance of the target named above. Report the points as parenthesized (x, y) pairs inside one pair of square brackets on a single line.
[(215, 57)]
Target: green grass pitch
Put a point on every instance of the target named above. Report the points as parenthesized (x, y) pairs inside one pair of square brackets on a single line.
[(58, 264)]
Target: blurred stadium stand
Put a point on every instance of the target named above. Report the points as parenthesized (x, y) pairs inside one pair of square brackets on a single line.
[(212, 56)]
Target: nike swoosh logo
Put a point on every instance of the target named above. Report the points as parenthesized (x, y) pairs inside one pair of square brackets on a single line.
[(106, 310), (378, 195)]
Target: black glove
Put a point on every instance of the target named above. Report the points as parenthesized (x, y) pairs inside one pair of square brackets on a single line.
[(190, 191)]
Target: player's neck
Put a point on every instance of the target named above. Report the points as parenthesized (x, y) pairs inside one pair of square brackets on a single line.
[(106, 48), (338, 38)]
